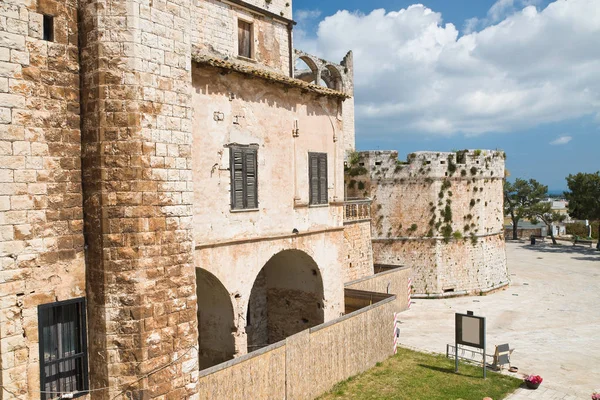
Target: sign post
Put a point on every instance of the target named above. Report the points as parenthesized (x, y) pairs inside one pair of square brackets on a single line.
[(469, 331)]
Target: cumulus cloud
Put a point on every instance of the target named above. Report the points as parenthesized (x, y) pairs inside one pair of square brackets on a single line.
[(304, 15), (413, 73), (561, 140)]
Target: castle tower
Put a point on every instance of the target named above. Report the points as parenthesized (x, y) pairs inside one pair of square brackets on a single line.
[(137, 197)]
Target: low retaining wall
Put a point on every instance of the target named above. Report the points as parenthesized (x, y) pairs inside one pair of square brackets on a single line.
[(392, 281), (309, 363)]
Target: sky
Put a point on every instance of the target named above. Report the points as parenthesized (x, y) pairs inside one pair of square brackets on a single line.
[(518, 75)]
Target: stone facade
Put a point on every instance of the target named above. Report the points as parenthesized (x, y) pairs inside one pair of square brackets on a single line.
[(439, 213), (117, 119), (41, 221)]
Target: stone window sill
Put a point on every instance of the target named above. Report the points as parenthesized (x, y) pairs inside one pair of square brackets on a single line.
[(243, 210), (251, 60)]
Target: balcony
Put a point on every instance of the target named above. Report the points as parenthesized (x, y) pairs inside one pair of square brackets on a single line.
[(357, 210)]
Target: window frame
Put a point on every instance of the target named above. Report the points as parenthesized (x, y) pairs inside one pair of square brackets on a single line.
[(319, 156), (83, 355), (244, 149), (250, 40)]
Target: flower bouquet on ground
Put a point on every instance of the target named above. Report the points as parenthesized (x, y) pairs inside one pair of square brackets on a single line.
[(595, 396), (533, 381)]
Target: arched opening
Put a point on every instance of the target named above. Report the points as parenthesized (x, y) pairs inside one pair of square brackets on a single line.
[(287, 297), (305, 69), (332, 77), (215, 320)]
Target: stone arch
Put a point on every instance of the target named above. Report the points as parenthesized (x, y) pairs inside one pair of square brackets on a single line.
[(215, 320), (286, 298), (332, 77), (307, 70)]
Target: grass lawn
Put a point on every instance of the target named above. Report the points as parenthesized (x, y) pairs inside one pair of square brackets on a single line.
[(412, 375)]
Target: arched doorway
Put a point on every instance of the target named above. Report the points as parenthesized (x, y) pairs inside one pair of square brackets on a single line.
[(287, 297), (215, 320)]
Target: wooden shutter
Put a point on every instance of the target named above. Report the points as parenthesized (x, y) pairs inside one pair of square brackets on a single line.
[(244, 39), (250, 175), (237, 179), (313, 177), (323, 179)]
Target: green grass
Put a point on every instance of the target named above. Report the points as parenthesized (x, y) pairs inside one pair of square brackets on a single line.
[(412, 375)]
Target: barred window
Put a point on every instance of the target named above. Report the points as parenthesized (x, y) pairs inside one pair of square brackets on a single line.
[(63, 349)]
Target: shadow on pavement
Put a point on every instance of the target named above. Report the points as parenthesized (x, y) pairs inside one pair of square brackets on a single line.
[(579, 252)]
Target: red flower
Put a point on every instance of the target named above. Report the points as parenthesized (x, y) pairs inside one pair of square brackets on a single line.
[(535, 379)]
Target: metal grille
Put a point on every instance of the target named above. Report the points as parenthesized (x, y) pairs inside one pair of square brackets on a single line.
[(63, 348)]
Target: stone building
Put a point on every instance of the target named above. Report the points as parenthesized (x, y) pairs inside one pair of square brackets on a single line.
[(172, 192), (439, 213)]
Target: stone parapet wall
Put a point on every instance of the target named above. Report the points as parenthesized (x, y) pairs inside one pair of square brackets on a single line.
[(394, 282), (41, 220), (309, 363), (138, 198), (358, 262)]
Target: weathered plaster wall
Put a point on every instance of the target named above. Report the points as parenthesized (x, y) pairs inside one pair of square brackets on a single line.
[(215, 32), (136, 59), (440, 213), (41, 226), (309, 363), (231, 109), (359, 253)]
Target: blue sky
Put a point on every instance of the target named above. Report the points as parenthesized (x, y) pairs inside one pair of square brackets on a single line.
[(517, 75)]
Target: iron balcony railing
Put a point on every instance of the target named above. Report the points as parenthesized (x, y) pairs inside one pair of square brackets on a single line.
[(357, 209)]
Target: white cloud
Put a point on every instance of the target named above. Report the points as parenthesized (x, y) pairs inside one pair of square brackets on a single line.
[(415, 74), (305, 15), (561, 140)]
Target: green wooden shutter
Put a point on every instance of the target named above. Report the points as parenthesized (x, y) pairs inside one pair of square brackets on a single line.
[(251, 182), (323, 179), (313, 176), (237, 179)]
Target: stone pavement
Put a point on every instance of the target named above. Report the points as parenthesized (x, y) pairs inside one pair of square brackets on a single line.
[(542, 393), (549, 315)]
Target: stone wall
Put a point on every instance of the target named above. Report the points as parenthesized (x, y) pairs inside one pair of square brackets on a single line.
[(394, 282), (41, 222), (215, 32), (440, 213), (309, 363), (359, 253), (136, 59)]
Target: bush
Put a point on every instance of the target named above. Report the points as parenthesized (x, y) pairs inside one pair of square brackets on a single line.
[(579, 229)]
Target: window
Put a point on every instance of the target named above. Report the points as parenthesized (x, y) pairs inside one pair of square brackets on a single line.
[(244, 185), (48, 28), (317, 176), (244, 39), (63, 348)]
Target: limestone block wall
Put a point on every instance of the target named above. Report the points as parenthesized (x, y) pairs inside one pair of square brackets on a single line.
[(393, 282), (215, 32), (136, 60), (41, 222), (440, 213), (358, 262)]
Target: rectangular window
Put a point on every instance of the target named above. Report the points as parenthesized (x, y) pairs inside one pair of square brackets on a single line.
[(63, 349), (317, 176), (244, 184), (48, 28), (244, 39)]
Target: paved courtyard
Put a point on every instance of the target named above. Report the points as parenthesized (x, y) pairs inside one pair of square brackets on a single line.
[(550, 315)]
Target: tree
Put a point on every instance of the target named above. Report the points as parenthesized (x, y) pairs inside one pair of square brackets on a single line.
[(584, 197), (520, 197), (543, 212)]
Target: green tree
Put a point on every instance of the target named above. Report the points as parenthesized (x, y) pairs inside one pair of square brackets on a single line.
[(584, 197), (543, 212), (520, 197)]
